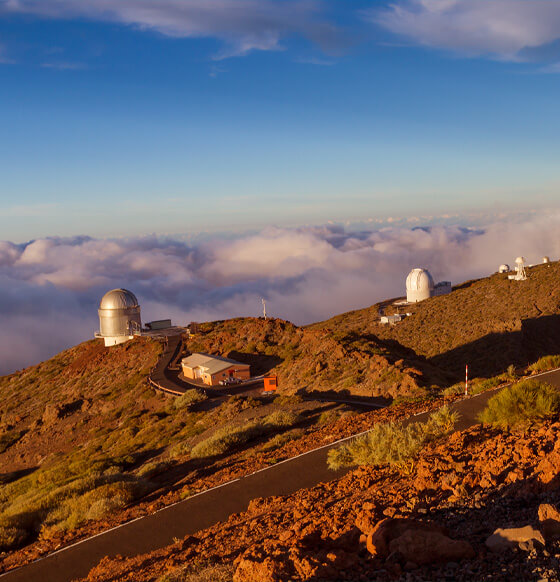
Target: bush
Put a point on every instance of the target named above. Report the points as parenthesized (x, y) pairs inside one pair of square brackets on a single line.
[(281, 439), (189, 398), (228, 438), (545, 363), (393, 443), (522, 403), (225, 439), (456, 389)]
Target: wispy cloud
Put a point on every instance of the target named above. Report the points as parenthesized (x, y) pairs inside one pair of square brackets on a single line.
[(552, 69), (242, 25), (503, 29), (65, 66), (318, 61), (50, 288)]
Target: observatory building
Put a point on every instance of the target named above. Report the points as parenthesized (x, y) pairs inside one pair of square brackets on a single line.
[(119, 317), (420, 285)]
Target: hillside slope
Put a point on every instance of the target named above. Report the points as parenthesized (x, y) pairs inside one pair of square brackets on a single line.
[(311, 360), (489, 324)]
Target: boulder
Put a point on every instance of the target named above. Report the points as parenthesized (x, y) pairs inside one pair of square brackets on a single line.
[(267, 570), (524, 538), (549, 518), (427, 547), (391, 528), (366, 519)]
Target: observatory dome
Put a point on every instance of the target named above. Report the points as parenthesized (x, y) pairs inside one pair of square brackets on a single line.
[(419, 285), (504, 268), (118, 299), (119, 316)]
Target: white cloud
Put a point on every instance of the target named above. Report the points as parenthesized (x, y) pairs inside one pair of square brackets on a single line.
[(503, 29), (50, 288), (243, 25)]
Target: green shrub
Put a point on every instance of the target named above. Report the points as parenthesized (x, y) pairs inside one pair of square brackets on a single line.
[(479, 385), (281, 418), (328, 416), (228, 438), (281, 439), (393, 443), (522, 403), (455, 389), (545, 363), (189, 398), (225, 439)]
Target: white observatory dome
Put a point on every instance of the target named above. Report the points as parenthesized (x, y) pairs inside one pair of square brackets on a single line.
[(504, 269), (419, 285), (119, 316), (520, 260), (546, 260)]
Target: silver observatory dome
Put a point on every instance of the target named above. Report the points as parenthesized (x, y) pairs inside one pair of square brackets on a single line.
[(119, 316)]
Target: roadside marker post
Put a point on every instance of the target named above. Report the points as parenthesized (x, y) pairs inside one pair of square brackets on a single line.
[(467, 380)]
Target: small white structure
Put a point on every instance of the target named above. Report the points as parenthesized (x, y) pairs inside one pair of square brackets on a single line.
[(546, 260), (119, 317), (520, 274), (504, 269), (420, 286), (391, 319)]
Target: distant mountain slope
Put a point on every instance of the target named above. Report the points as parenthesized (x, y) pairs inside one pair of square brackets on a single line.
[(311, 360), (488, 323)]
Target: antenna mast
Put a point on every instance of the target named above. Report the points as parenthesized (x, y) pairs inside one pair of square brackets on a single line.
[(264, 308)]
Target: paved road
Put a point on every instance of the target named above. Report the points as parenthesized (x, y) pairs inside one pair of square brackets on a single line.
[(205, 509)]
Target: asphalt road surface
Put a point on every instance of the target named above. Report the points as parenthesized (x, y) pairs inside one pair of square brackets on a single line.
[(205, 509)]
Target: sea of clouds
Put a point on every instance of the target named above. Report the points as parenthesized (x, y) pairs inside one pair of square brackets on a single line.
[(50, 288)]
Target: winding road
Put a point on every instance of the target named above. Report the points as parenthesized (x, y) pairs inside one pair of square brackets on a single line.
[(209, 507)]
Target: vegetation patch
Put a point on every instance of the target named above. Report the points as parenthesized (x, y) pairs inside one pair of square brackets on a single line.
[(393, 443), (189, 398), (523, 403), (228, 438), (545, 363)]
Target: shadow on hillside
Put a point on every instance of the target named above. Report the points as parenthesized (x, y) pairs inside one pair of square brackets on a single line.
[(395, 351), (6, 478), (492, 354)]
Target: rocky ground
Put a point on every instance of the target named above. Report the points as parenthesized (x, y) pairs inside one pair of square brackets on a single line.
[(480, 505)]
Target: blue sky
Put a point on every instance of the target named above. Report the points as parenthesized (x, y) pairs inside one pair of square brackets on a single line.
[(137, 116)]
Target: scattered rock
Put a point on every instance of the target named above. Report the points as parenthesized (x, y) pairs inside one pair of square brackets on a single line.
[(53, 412), (366, 519), (523, 538), (428, 547), (549, 518), (387, 530)]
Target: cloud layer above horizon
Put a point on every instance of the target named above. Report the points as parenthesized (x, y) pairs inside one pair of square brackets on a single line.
[(505, 29), (243, 25), (50, 288), (514, 30)]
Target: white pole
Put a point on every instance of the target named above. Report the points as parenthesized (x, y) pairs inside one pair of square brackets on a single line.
[(467, 380), (264, 308)]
